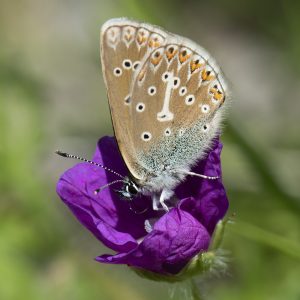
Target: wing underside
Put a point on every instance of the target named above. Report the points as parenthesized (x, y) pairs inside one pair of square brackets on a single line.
[(166, 96)]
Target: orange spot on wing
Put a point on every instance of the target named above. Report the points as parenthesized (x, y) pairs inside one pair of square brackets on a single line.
[(206, 75), (153, 44), (141, 39), (217, 95), (170, 53), (184, 56), (155, 60), (195, 65)]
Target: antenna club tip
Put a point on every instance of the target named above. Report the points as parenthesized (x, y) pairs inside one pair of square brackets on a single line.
[(61, 153)]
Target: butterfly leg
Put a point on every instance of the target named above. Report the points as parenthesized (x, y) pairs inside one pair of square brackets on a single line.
[(165, 195), (155, 201), (156, 198)]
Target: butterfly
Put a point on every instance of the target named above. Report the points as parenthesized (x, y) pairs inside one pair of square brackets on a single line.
[(166, 97)]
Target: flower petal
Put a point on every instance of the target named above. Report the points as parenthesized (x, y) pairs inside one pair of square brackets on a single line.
[(208, 202), (110, 219), (174, 240)]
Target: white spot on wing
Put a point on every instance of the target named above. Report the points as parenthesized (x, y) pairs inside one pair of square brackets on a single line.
[(205, 108), (165, 76), (182, 91), (127, 64), (140, 107), (113, 36), (127, 99), (205, 127), (136, 64), (176, 82), (118, 72), (128, 35), (152, 90), (165, 114), (168, 132), (146, 136), (189, 99)]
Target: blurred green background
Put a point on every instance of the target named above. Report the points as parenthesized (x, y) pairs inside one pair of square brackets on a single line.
[(52, 96)]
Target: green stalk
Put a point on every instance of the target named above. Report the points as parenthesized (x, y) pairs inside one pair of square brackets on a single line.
[(258, 162), (270, 239), (196, 295)]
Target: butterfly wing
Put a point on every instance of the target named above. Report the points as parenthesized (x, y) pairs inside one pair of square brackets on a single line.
[(178, 100), (124, 46)]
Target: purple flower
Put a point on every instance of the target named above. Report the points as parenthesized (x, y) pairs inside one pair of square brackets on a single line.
[(176, 236)]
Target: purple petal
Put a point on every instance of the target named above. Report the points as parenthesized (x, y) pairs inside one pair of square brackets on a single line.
[(176, 237), (174, 240), (208, 202), (110, 219)]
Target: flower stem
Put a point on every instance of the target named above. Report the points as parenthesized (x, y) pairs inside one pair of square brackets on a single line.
[(270, 239), (258, 161), (196, 295)]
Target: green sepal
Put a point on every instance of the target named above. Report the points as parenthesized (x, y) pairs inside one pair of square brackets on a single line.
[(218, 234), (198, 265)]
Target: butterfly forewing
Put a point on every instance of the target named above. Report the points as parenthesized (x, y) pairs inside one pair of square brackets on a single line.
[(124, 46)]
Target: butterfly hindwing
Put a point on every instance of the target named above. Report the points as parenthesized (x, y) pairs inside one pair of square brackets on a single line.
[(177, 104)]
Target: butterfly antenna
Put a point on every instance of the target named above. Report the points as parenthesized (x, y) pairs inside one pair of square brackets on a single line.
[(64, 154), (201, 176), (106, 185)]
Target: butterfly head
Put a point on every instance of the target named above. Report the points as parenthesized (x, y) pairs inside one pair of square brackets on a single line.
[(129, 190)]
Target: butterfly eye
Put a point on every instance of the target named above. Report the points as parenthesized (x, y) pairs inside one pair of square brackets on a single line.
[(146, 136), (189, 99), (182, 91), (205, 108), (140, 107), (165, 76), (131, 189), (152, 90), (127, 64), (176, 82), (117, 72)]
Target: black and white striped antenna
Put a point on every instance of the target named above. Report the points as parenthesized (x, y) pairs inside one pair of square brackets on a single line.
[(64, 154), (107, 185)]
